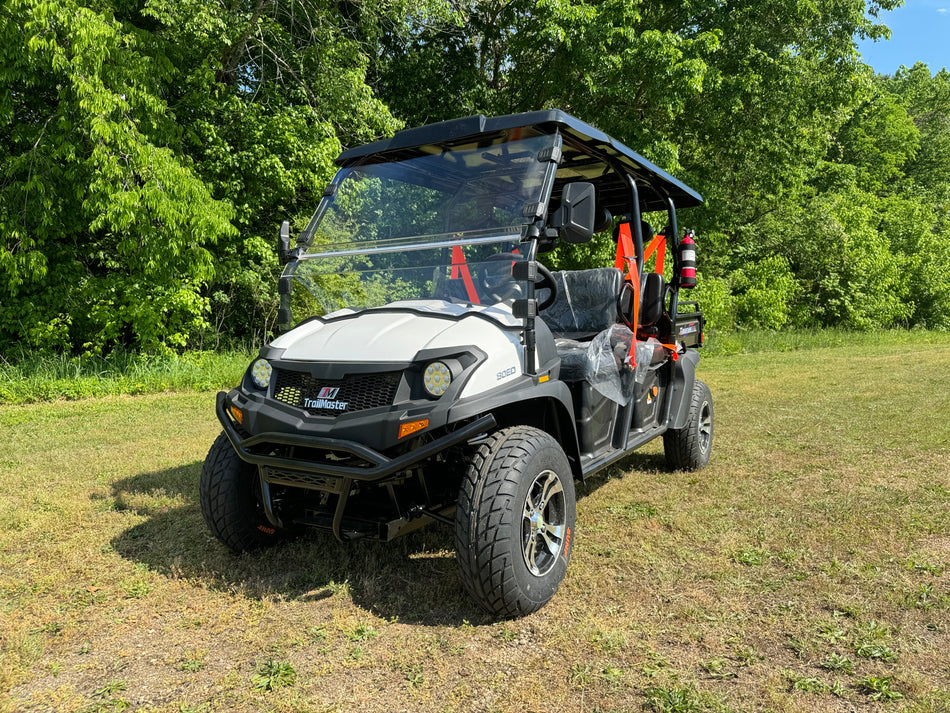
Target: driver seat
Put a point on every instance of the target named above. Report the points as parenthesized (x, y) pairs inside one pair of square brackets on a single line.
[(586, 302), (585, 306)]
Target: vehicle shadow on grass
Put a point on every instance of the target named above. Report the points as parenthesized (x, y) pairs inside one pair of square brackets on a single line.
[(627, 466), (414, 578)]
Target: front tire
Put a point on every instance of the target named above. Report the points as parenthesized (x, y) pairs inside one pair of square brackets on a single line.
[(514, 523), (230, 502), (689, 448)]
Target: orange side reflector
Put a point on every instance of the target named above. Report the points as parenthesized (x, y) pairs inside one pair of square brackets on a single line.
[(542, 379), (237, 414), (410, 427)]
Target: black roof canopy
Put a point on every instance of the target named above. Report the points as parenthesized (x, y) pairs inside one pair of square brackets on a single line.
[(589, 155)]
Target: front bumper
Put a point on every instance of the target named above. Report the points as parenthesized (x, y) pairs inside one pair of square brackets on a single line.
[(324, 475), (379, 466)]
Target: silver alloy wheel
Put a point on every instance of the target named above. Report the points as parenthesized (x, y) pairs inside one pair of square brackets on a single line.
[(705, 426), (544, 523)]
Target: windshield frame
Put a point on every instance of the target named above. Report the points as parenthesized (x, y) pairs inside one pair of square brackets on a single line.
[(414, 246)]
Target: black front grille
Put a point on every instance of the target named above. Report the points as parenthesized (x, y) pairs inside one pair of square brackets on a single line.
[(331, 397), (302, 479)]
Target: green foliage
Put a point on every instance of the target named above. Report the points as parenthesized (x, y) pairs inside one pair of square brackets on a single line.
[(598, 252), (674, 700), (851, 274), (806, 684), (609, 62), (148, 151), (32, 377), (751, 556), (826, 187), (273, 674), (877, 141), (879, 688), (837, 662), (105, 230), (764, 291), (715, 297)]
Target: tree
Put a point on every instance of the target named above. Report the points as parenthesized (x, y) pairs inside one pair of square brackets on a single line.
[(105, 231), (921, 213), (743, 99), (867, 240), (151, 151)]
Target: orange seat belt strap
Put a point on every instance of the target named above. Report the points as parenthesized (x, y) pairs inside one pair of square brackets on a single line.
[(459, 266)]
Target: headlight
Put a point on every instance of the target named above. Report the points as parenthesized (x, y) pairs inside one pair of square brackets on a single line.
[(260, 373), (437, 378)]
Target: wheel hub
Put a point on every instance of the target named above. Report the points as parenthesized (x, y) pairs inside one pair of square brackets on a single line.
[(543, 523), (705, 427)]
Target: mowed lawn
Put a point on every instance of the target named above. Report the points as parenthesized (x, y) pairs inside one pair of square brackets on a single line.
[(806, 569)]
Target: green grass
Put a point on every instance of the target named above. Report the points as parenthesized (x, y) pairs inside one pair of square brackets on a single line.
[(761, 340), (27, 378), (272, 675), (806, 569), (31, 379)]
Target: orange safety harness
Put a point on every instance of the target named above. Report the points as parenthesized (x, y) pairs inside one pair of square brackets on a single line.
[(460, 267), (626, 262)]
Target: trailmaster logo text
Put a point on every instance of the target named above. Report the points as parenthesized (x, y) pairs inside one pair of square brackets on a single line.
[(326, 399)]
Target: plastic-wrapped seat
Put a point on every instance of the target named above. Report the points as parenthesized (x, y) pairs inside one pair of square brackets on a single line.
[(586, 302), (586, 305)]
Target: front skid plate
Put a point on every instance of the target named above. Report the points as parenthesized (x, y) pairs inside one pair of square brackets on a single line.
[(353, 528)]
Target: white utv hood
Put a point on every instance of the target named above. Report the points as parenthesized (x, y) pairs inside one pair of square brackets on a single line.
[(386, 337)]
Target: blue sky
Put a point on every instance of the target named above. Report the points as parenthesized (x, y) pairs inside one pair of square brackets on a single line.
[(920, 31)]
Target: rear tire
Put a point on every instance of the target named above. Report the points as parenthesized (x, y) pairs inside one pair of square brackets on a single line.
[(230, 501), (514, 523), (689, 448)]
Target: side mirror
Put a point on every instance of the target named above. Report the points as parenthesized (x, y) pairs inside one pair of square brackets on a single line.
[(574, 220), (283, 245)]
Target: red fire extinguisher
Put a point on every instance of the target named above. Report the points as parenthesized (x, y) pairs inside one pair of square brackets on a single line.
[(688, 260)]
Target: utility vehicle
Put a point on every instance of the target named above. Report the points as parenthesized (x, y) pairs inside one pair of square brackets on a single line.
[(438, 371)]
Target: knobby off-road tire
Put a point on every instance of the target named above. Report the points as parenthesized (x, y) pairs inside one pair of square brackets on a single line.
[(230, 502), (689, 448), (515, 521)]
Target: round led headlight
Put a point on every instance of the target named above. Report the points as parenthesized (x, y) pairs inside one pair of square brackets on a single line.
[(260, 373), (437, 378)]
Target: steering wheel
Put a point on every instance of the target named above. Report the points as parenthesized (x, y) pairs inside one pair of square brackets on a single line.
[(501, 286), (497, 283), (546, 282)]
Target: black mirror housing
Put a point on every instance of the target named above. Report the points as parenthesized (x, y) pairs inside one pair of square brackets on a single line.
[(283, 244), (574, 219)]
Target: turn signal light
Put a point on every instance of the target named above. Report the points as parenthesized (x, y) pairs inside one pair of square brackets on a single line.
[(236, 413), (410, 427)]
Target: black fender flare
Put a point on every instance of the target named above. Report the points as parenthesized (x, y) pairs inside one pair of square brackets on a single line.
[(684, 374), (547, 405)]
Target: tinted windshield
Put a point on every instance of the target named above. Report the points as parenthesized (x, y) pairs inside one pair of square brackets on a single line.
[(436, 194), (440, 224), (472, 274)]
